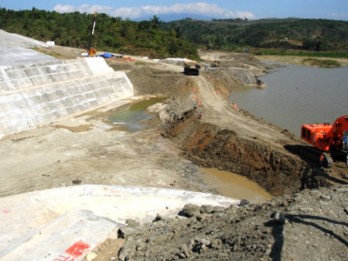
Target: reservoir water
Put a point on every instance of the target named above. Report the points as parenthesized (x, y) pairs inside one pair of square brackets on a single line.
[(296, 94)]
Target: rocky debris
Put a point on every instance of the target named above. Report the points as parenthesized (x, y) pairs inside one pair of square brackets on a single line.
[(243, 75), (310, 225)]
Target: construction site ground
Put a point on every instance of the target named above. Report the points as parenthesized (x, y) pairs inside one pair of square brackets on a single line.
[(195, 125)]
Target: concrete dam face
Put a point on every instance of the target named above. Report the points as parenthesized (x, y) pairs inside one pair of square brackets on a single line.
[(38, 94)]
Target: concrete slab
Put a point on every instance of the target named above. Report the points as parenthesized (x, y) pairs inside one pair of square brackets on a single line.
[(68, 237), (12, 39), (20, 56), (28, 220), (16, 49)]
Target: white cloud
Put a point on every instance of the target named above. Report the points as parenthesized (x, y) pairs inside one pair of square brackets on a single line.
[(343, 16), (199, 8)]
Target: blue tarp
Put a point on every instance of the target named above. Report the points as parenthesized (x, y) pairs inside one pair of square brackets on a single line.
[(106, 55)]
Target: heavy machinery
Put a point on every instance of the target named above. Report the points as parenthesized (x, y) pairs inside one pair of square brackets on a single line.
[(191, 67), (330, 139)]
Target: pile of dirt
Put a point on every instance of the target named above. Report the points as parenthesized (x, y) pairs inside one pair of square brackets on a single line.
[(311, 225)]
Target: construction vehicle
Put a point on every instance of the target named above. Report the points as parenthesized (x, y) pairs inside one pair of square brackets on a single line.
[(191, 67), (330, 139)]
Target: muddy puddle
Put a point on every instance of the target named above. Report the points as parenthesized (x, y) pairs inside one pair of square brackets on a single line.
[(133, 115), (235, 186)]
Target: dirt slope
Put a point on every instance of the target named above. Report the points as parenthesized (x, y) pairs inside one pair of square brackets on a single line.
[(311, 225)]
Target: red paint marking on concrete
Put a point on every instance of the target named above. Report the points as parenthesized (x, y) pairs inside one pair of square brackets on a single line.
[(77, 249), (6, 211)]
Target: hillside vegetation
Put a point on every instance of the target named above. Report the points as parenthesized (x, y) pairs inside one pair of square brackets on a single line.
[(269, 36), (111, 34), (156, 39)]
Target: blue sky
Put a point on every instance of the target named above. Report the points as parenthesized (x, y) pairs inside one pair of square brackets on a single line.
[(251, 9)]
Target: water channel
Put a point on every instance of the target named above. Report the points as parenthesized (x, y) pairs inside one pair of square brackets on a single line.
[(297, 94)]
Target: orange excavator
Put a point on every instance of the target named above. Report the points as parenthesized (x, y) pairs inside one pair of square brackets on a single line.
[(330, 139)]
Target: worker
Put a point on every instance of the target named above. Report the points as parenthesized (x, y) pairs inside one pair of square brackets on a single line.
[(345, 145)]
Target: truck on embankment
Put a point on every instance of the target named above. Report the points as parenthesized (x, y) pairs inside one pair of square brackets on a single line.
[(191, 67)]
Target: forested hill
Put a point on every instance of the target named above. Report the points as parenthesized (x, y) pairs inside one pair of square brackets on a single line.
[(180, 38), (111, 34), (307, 34)]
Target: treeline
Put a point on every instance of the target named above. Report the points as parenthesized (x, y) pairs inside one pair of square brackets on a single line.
[(111, 34), (291, 33), (180, 38)]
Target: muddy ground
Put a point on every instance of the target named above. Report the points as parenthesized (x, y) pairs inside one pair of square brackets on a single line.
[(195, 125)]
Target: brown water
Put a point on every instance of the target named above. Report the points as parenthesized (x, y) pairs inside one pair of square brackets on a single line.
[(296, 95), (235, 186)]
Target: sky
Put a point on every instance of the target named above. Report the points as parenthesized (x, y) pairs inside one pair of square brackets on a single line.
[(137, 9)]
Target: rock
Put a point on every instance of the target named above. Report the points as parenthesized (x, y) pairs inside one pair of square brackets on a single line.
[(201, 217), (243, 203), (325, 197), (205, 241), (219, 209), (306, 209), (91, 256), (132, 223), (184, 251), (216, 243), (76, 181), (279, 217), (125, 232), (157, 218), (315, 193), (342, 189), (207, 209), (189, 210)]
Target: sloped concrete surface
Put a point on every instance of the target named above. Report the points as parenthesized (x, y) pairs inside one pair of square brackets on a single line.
[(12, 39), (38, 94), (53, 241), (19, 56), (15, 50), (44, 225)]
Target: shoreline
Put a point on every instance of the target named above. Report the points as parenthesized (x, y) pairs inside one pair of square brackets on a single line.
[(299, 60)]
